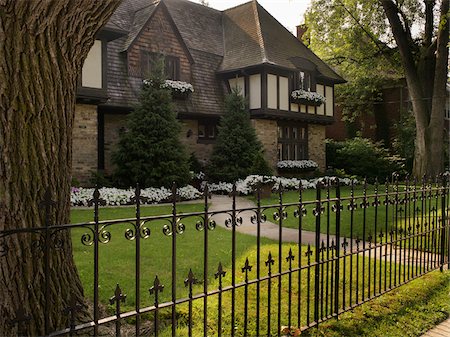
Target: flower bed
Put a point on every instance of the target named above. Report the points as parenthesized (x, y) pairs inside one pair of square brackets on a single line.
[(117, 197), (301, 96)]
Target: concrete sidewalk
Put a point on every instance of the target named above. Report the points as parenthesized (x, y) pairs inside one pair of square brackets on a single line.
[(440, 330), (270, 230)]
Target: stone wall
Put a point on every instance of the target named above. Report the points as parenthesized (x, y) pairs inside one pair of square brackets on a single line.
[(201, 150), (316, 145), (267, 132), (85, 145)]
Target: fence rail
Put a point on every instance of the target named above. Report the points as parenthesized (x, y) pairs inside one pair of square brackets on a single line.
[(364, 246)]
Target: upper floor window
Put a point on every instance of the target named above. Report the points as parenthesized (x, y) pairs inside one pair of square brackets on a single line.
[(171, 65), (303, 80)]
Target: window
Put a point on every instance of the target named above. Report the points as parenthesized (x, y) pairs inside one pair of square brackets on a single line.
[(303, 80), (207, 130), (292, 142), (171, 65)]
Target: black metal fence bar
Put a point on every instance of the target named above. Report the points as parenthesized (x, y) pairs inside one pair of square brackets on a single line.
[(363, 246)]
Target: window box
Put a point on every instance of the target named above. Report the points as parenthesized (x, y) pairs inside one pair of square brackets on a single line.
[(296, 168), (301, 96)]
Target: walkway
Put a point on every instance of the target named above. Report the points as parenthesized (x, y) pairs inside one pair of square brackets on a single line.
[(269, 230), (441, 330)]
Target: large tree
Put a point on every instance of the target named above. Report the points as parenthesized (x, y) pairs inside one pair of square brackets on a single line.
[(355, 36), (425, 63), (43, 45)]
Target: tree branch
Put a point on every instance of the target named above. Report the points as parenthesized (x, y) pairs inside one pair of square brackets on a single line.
[(369, 34), (429, 18)]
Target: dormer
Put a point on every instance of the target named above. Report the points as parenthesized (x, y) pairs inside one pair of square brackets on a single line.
[(92, 86)]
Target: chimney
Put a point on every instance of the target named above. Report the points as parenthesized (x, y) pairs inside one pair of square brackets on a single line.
[(301, 30)]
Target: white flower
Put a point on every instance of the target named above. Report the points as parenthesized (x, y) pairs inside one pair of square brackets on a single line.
[(297, 164), (178, 86), (308, 95), (116, 196)]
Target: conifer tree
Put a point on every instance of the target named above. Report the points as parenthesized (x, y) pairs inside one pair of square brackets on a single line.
[(150, 152), (237, 146)]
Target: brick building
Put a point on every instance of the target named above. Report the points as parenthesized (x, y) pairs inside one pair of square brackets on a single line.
[(243, 47)]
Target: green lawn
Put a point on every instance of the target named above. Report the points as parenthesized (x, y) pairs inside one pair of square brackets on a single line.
[(352, 223), (117, 258), (412, 304)]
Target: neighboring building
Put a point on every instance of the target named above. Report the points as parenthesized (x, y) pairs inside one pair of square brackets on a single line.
[(242, 47), (378, 124)]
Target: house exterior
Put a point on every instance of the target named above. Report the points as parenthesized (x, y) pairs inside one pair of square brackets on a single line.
[(242, 47)]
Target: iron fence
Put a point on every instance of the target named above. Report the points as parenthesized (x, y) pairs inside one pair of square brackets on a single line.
[(346, 250)]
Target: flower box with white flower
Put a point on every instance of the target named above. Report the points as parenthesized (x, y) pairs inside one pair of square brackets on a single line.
[(180, 90), (294, 167), (301, 96)]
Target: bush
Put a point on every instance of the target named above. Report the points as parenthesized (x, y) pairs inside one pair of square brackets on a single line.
[(237, 149), (363, 158), (150, 152)]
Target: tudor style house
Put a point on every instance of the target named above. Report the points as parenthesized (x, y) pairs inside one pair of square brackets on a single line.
[(290, 91)]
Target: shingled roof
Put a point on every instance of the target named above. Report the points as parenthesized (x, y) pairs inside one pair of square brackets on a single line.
[(219, 41), (254, 37)]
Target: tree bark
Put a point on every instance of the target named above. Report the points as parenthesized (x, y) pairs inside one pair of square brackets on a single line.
[(43, 44), (426, 80)]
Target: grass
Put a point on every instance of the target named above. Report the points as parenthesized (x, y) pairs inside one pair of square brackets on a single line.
[(117, 258), (420, 303), (410, 310), (352, 223), (414, 307)]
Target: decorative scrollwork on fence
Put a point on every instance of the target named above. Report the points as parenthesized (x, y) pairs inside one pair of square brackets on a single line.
[(104, 236), (200, 225), (262, 218), (87, 239), (300, 211), (130, 234), (167, 230), (277, 216)]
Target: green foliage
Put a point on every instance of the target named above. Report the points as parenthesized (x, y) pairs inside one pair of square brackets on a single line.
[(98, 178), (194, 164), (260, 166), (237, 146), (363, 158), (353, 36), (404, 142), (150, 152)]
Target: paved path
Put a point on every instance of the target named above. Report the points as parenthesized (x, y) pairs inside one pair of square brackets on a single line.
[(441, 330), (220, 203)]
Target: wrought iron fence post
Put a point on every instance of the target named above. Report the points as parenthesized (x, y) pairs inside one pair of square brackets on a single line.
[(443, 221), (174, 259), (117, 299), (338, 245), (96, 257), (137, 196), (317, 212), (156, 289)]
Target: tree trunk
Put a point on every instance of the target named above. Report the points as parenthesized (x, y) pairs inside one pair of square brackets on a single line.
[(426, 81), (43, 45)]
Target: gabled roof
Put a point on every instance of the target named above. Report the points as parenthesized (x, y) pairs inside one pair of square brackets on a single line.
[(253, 37)]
